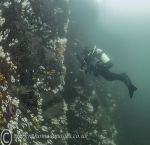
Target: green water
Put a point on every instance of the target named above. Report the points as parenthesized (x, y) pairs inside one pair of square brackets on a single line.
[(125, 36)]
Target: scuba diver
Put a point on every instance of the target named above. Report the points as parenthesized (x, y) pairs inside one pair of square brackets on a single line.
[(96, 61)]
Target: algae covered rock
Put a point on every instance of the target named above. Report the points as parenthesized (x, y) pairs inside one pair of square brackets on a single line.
[(32, 45), (45, 98)]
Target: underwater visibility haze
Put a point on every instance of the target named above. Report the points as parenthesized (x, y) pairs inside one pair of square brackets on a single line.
[(122, 29), (49, 97)]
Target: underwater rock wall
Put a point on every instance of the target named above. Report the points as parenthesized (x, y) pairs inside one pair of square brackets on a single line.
[(91, 106), (32, 71), (42, 100)]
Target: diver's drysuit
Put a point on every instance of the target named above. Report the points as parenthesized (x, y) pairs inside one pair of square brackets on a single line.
[(99, 63)]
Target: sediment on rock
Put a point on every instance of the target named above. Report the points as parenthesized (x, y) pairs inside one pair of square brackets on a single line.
[(39, 93), (32, 45)]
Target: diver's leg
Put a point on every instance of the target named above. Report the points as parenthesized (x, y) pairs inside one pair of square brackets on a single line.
[(127, 81), (108, 75)]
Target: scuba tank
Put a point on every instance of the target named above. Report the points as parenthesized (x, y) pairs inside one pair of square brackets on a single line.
[(102, 55), (104, 58)]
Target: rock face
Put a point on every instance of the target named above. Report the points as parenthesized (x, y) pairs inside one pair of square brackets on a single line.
[(90, 106), (43, 100), (32, 45)]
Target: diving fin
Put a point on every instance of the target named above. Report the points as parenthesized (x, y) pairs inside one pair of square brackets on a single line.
[(127, 81), (131, 89)]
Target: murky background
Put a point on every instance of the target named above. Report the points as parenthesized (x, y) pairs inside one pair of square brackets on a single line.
[(122, 29)]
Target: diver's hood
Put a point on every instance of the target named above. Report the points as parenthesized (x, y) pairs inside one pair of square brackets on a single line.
[(98, 51)]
